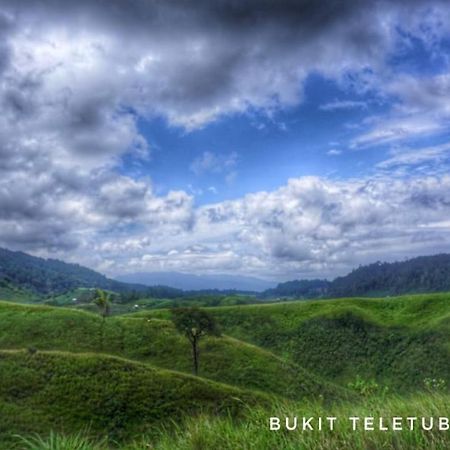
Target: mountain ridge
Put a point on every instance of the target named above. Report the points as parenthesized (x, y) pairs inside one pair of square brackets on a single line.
[(46, 277), (191, 282), (422, 274)]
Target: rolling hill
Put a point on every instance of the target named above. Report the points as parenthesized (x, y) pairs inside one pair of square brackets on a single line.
[(117, 397), (397, 341), (155, 341), (63, 368)]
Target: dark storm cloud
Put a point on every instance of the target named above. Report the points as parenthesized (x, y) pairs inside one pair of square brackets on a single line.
[(33, 236), (207, 58), (6, 28)]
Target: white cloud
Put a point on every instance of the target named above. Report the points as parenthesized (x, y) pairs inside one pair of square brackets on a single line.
[(343, 104), (412, 157), (421, 109), (334, 152), (210, 162), (309, 227)]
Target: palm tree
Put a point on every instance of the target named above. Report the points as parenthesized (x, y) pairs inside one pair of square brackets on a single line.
[(101, 299)]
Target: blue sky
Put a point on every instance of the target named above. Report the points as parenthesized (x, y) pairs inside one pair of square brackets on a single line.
[(313, 137), (275, 139), (307, 140)]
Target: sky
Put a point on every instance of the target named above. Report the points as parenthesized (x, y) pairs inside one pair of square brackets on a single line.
[(278, 139)]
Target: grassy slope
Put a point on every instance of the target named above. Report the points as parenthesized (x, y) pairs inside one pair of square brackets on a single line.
[(398, 341), (114, 396), (251, 431), (401, 341), (156, 341)]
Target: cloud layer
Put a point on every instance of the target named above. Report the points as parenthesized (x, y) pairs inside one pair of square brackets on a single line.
[(76, 78), (309, 226)]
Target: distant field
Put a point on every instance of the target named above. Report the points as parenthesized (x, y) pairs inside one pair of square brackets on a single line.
[(16, 294)]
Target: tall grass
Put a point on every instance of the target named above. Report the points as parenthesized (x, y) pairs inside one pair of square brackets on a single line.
[(55, 441), (252, 432)]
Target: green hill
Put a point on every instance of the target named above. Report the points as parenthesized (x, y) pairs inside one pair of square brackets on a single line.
[(113, 396), (274, 349), (397, 341), (156, 341)]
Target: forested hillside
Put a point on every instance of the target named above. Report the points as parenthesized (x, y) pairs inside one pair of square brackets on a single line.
[(299, 289), (417, 275), (51, 276), (422, 274)]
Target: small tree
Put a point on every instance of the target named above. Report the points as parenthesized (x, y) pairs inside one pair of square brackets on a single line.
[(194, 323), (101, 300)]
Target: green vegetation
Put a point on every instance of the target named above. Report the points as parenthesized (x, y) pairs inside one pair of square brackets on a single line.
[(251, 431), (373, 356), (422, 274), (103, 303), (9, 291), (156, 341), (49, 276), (299, 289), (194, 323), (81, 298), (398, 341), (117, 397), (417, 275)]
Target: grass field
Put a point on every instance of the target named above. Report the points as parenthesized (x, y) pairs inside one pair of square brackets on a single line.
[(117, 397), (251, 432), (64, 369), (155, 341), (397, 341)]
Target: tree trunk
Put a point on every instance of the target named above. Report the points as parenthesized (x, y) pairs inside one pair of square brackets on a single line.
[(102, 334), (195, 356)]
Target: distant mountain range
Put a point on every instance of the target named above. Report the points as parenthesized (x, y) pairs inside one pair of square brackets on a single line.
[(190, 282), (46, 277)]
